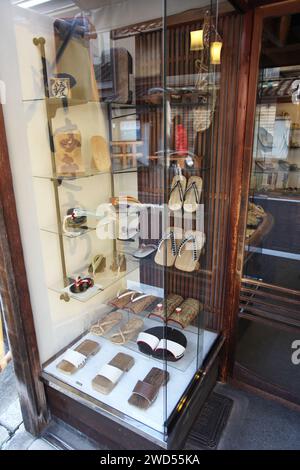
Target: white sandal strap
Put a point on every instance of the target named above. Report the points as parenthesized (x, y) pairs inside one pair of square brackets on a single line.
[(111, 373), (75, 358), (149, 339), (174, 348)]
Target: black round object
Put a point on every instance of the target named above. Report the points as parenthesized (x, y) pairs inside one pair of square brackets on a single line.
[(162, 332), (84, 285)]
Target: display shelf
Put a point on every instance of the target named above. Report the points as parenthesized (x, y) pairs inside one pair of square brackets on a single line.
[(59, 231), (87, 174), (102, 280), (118, 398)]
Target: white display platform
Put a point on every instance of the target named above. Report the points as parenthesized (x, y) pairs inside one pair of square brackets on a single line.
[(168, 396)]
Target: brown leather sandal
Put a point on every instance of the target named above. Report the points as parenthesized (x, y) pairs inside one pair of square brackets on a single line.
[(145, 392)]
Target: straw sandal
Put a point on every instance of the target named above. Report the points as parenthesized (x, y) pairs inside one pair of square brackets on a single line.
[(122, 299), (139, 302), (111, 373), (167, 247), (186, 313), (177, 192), (128, 332), (145, 392), (97, 265), (163, 310), (100, 152), (75, 359), (189, 251), (192, 194), (104, 325)]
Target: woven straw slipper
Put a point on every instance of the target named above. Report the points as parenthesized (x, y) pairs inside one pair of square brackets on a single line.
[(167, 247), (186, 313), (104, 325), (189, 251), (177, 192), (167, 307), (128, 332), (192, 194)]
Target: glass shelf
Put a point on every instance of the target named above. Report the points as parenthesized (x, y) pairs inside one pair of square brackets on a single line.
[(86, 174), (56, 231), (102, 280)]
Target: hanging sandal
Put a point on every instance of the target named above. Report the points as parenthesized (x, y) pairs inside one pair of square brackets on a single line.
[(192, 194), (74, 359), (189, 251), (177, 192), (110, 374), (104, 325), (167, 247), (145, 392), (97, 265), (128, 332)]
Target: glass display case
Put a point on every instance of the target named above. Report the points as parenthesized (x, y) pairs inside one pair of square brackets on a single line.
[(120, 179)]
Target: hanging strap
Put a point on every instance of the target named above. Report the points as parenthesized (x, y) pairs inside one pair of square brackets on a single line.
[(192, 239)]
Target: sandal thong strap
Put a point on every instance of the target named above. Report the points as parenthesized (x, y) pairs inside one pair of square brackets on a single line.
[(178, 185), (170, 235), (194, 187), (192, 239)]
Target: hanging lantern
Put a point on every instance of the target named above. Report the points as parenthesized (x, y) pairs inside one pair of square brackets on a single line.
[(215, 52), (197, 40)]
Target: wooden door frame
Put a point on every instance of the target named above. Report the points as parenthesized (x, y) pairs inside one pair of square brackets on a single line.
[(242, 163), (15, 301)]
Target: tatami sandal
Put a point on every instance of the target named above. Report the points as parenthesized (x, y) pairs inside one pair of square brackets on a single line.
[(163, 343), (145, 392), (122, 299), (189, 251), (97, 265), (167, 247), (192, 194), (100, 152), (110, 374), (128, 332), (74, 359), (177, 193), (186, 313), (139, 302), (165, 309), (107, 323)]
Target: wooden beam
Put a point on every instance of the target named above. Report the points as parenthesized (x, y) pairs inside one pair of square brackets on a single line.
[(15, 299)]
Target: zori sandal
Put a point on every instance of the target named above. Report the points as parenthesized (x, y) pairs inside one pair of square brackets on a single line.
[(110, 374), (128, 332), (97, 265), (104, 325), (74, 359), (123, 298), (189, 251), (163, 310), (177, 192), (192, 194), (145, 392), (100, 152), (167, 247), (140, 302), (186, 313)]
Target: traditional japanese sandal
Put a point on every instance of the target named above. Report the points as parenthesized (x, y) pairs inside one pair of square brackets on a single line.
[(192, 194), (186, 313), (128, 332), (163, 343), (145, 392), (122, 299), (257, 210), (100, 152), (110, 374), (139, 302), (104, 325), (167, 247), (252, 220), (177, 192), (166, 308), (97, 265), (74, 359), (189, 251)]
